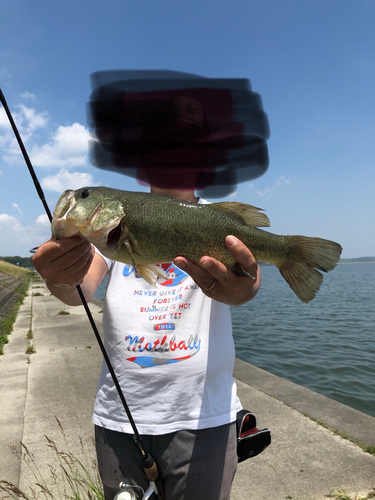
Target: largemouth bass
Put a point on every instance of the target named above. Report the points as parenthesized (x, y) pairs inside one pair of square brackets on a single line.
[(145, 229)]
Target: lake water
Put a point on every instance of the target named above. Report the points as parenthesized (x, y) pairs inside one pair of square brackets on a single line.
[(327, 345)]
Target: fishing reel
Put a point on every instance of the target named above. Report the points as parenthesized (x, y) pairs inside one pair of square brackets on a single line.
[(127, 491)]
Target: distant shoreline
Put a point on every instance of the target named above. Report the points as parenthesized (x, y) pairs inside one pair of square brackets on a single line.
[(344, 262), (359, 262)]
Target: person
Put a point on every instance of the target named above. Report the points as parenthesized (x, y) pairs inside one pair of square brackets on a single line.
[(172, 349)]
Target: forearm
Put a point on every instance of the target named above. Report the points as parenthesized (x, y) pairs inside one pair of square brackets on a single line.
[(70, 295)]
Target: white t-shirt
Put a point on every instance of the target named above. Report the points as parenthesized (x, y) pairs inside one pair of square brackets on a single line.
[(172, 350)]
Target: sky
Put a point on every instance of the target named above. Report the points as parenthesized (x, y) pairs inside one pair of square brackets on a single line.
[(312, 62)]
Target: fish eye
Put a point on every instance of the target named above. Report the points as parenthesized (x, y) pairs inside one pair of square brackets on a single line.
[(85, 193)]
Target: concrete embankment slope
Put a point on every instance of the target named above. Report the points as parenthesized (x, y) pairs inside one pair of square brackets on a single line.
[(305, 460), (8, 296)]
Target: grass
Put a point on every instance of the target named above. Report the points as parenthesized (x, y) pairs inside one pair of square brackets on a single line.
[(22, 275), (16, 272), (342, 495), (70, 478), (37, 294), (3, 340), (6, 324), (30, 349), (62, 313), (365, 447)]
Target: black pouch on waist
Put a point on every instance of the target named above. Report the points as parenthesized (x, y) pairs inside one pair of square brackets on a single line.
[(250, 440)]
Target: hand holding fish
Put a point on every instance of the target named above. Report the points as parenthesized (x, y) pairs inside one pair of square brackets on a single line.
[(228, 287), (64, 263)]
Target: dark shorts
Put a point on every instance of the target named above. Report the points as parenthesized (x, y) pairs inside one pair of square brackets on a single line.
[(194, 465)]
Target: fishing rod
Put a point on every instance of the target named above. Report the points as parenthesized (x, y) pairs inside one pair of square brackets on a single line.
[(126, 491)]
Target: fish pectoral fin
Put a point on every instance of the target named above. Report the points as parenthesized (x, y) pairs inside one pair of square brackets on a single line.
[(149, 272), (247, 214), (130, 247)]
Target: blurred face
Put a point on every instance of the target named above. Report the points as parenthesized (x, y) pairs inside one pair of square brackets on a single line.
[(176, 145)]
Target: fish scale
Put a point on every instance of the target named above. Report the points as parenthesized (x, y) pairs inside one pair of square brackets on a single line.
[(183, 232), (144, 229)]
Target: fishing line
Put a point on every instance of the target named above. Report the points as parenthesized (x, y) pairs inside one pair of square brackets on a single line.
[(21, 192), (149, 464)]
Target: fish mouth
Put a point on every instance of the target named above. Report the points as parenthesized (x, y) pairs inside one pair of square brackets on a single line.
[(61, 227), (65, 203)]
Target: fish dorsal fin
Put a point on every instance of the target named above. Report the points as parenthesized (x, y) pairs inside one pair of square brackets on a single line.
[(247, 214)]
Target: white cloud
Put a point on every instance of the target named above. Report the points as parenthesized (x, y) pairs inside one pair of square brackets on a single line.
[(268, 191), (43, 220), (11, 222), (68, 148), (4, 122), (27, 121), (28, 95), (16, 207), (282, 180), (17, 238), (67, 180)]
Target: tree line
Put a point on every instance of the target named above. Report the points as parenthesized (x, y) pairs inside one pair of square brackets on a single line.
[(16, 260)]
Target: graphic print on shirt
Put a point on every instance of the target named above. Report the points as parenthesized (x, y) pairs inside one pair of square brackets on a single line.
[(165, 308), (174, 274)]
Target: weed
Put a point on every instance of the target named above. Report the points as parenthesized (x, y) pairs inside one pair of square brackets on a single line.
[(341, 495), (70, 477), (88, 347), (62, 313), (37, 294), (30, 349), (30, 334), (6, 324), (365, 447), (4, 339)]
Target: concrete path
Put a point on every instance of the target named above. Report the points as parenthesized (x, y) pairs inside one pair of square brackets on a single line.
[(304, 462)]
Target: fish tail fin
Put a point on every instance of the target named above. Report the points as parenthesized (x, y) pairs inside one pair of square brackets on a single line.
[(307, 255)]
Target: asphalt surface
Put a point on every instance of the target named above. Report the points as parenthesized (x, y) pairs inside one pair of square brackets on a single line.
[(305, 460)]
